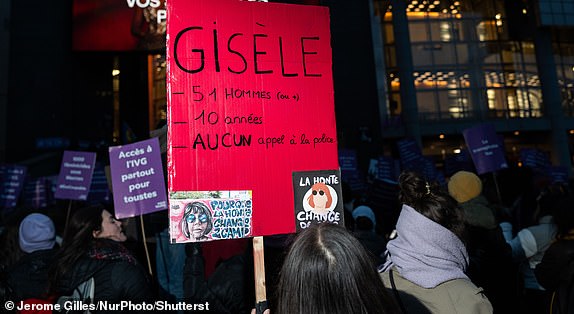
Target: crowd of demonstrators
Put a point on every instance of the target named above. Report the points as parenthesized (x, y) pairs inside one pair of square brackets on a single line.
[(449, 254), (428, 259), (491, 266)]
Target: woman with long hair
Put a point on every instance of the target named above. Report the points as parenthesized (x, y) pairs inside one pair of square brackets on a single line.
[(427, 260), (92, 248)]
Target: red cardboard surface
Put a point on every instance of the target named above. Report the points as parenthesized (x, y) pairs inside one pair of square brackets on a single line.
[(250, 101)]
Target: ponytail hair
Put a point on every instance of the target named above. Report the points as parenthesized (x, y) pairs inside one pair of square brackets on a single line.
[(432, 201)]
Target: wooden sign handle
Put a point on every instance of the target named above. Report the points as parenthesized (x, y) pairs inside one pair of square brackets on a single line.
[(259, 265)]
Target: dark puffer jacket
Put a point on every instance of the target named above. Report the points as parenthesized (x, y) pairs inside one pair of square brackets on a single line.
[(115, 280), (28, 278)]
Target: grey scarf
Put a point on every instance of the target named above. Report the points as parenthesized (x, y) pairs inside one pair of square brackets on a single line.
[(424, 252)]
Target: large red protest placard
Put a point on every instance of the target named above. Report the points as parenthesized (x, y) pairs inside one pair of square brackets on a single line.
[(250, 101)]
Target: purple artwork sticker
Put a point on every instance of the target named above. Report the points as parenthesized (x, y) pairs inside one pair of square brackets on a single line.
[(485, 148), (137, 178), (75, 175)]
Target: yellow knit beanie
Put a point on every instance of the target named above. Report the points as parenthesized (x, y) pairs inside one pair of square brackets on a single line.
[(464, 186)]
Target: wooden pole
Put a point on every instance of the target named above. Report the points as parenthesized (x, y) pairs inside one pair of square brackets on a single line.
[(259, 265), (68, 216), (145, 246), (497, 189)]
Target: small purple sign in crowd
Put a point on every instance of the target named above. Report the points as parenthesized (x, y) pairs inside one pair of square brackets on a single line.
[(388, 169), (75, 175), (350, 170), (485, 148), (137, 178), (409, 153), (11, 183), (534, 158)]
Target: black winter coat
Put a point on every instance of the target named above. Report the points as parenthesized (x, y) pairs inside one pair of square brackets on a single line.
[(556, 273), (115, 280), (28, 278)]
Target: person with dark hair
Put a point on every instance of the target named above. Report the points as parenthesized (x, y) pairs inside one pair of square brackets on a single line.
[(427, 260), (556, 270), (327, 270), (92, 248), (530, 244), (196, 221)]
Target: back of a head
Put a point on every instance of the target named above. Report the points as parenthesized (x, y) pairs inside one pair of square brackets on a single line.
[(464, 186), (328, 271), (37, 232), (365, 218), (429, 199)]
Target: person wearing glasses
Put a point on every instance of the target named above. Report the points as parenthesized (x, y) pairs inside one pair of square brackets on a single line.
[(320, 199), (196, 222)]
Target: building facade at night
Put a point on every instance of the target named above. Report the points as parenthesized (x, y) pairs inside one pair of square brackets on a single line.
[(426, 69), (446, 65)]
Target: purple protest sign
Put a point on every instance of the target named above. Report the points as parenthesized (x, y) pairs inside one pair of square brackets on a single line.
[(388, 169), (75, 175), (485, 147), (348, 159), (409, 153), (137, 178), (534, 158), (11, 184)]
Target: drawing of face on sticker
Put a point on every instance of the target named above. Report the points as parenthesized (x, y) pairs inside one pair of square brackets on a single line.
[(196, 221), (320, 199)]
